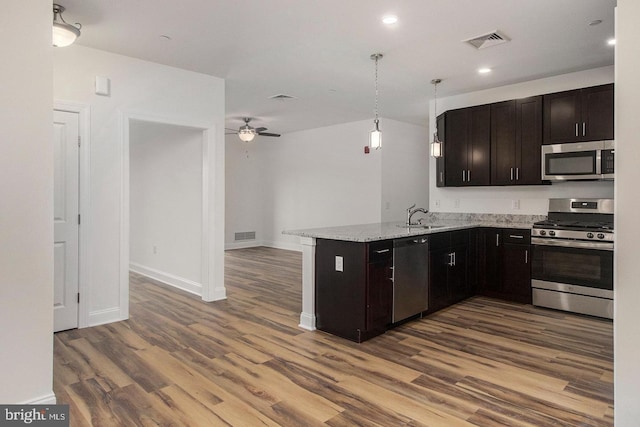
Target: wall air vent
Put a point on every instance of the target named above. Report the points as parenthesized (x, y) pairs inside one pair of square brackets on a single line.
[(487, 40), (245, 235), (282, 97)]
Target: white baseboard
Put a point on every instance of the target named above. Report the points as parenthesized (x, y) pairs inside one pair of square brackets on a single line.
[(167, 278), (108, 315), (47, 399), (307, 321), (283, 245), (242, 245)]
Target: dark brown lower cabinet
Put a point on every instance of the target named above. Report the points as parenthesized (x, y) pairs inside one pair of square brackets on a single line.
[(449, 269), (505, 264), (354, 290)]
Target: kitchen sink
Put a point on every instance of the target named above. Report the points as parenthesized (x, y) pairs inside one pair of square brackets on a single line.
[(422, 226)]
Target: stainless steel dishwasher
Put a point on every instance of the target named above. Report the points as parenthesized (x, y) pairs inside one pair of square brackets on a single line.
[(410, 277)]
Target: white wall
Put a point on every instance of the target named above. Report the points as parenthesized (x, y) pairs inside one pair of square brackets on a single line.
[(244, 190), (26, 199), (533, 199), (627, 267), (405, 169), (166, 203), (321, 177), (141, 88)]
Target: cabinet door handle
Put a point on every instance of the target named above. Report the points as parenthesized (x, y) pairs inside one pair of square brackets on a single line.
[(576, 129), (497, 239), (526, 256), (511, 174), (515, 236), (382, 251), (468, 175), (441, 177), (454, 259), (450, 263), (584, 128), (517, 174), (463, 176)]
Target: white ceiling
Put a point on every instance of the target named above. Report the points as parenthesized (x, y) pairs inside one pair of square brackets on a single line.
[(318, 51)]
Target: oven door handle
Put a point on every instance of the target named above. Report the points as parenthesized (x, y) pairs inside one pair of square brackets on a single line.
[(607, 246)]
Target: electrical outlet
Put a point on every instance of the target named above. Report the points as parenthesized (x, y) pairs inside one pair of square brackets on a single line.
[(437, 203), (155, 249), (339, 263), (456, 203), (515, 204), (387, 205)]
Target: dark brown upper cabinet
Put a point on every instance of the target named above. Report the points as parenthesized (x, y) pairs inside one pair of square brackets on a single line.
[(579, 115), (467, 147), (516, 139)]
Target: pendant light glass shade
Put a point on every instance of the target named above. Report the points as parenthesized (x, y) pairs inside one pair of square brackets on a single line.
[(63, 34), (436, 144), (375, 136)]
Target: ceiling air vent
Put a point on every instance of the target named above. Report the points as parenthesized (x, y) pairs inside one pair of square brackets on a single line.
[(282, 96), (487, 40)]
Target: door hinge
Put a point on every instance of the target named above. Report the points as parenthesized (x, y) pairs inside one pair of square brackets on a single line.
[(78, 297), (78, 219)]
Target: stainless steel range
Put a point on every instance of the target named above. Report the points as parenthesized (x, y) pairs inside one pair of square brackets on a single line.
[(572, 261)]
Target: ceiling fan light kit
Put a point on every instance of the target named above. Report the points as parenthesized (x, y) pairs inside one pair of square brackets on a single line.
[(247, 133), (64, 34), (375, 136)]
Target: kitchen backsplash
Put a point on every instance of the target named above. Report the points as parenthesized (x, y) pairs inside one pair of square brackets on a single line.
[(480, 217)]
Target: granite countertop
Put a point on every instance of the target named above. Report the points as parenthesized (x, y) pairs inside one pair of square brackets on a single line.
[(440, 222)]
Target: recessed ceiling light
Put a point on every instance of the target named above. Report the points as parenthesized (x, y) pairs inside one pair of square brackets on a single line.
[(484, 70), (595, 22), (389, 19), (611, 42)]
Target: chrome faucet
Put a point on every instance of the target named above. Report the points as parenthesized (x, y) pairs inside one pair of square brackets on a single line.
[(411, 211)]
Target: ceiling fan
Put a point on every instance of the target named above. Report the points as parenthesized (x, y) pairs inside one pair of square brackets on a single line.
[(246, 132)]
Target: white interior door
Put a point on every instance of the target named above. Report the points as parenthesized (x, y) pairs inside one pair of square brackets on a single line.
[(66, 219)]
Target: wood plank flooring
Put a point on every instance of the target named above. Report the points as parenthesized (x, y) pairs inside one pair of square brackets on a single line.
[(244, 362)]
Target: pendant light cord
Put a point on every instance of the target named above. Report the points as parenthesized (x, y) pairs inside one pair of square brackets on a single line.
[(376, 80)]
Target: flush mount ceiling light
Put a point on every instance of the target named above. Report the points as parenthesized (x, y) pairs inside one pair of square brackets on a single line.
[(64, 34), (436, 144), (389, 19), (484, 70), (375, 137)]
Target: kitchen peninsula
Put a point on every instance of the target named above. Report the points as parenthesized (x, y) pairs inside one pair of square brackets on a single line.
[(349, 273)]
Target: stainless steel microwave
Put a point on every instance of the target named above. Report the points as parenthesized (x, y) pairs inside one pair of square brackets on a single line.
[(578, 161)]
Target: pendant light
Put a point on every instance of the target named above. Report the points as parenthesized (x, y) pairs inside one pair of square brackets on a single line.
[(436, 144), (63, 34), (375, 137)]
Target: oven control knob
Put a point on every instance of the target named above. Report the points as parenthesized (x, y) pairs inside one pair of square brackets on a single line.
[(542, 232), (600, 236), (589, 235), (552, 233)]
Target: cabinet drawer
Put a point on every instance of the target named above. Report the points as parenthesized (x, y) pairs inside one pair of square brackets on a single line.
[(516, 236), (381, 250)]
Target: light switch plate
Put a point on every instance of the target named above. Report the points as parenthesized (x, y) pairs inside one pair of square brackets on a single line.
[(339, 263)]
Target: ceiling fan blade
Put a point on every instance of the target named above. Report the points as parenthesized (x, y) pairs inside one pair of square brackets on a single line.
[(231, 129), (260, 129), (231, 133), (268, 134)]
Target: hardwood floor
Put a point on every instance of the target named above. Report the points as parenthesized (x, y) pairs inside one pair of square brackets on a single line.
[(244, 362)]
